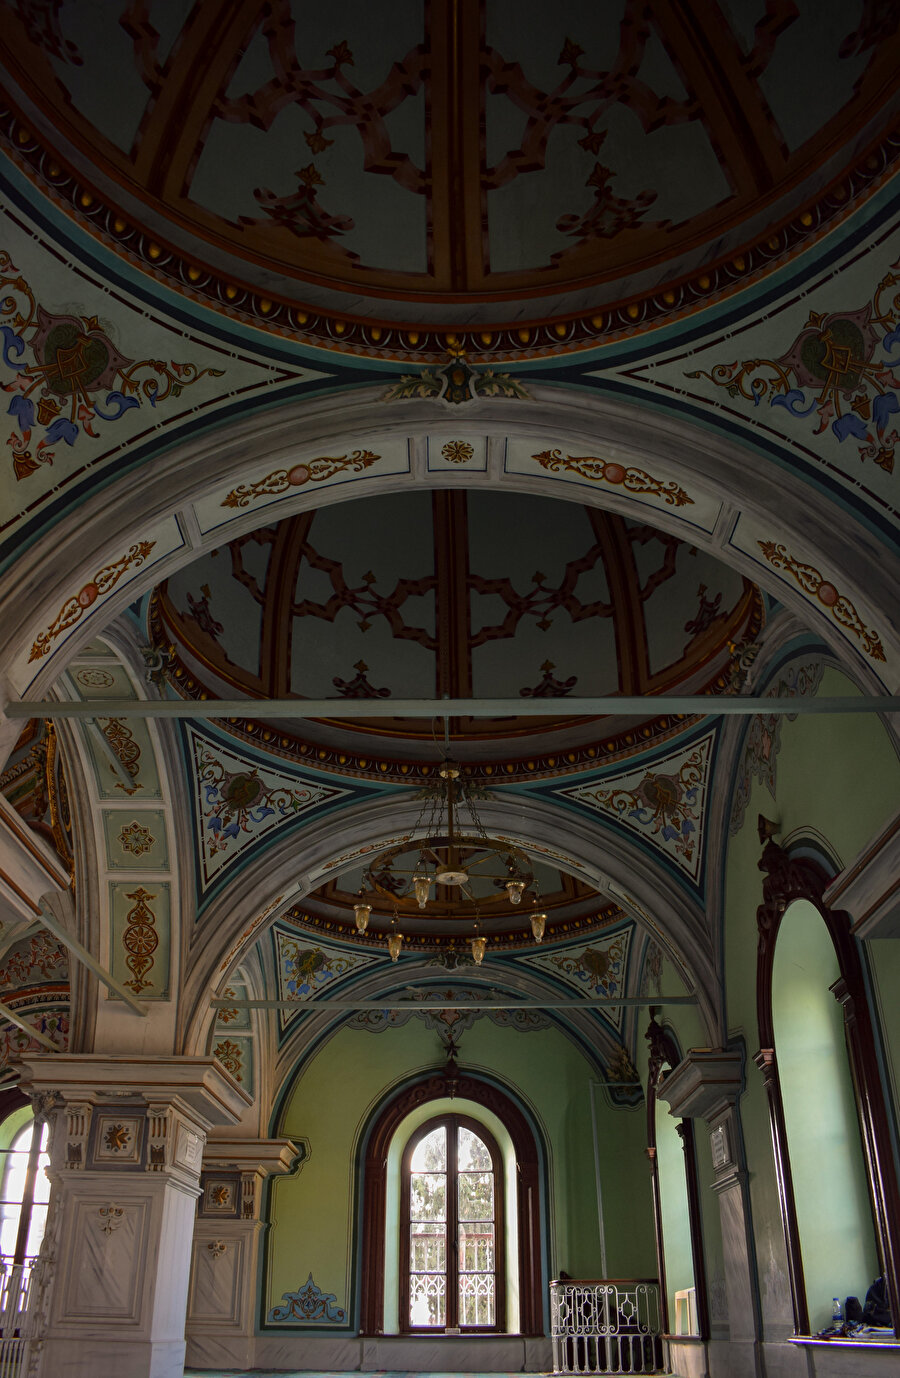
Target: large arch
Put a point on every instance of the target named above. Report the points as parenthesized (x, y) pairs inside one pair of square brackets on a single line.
[(728, 483), (597, 853)]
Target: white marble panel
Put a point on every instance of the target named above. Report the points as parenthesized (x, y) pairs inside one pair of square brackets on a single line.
[(217, 1270), (109, 1240)]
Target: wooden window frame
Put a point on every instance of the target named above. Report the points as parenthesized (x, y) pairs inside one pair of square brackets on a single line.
[(528, 1203), (453, 1122)]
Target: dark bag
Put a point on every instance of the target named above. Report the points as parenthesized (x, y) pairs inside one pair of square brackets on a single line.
[(853, 1312), (876, 1310)]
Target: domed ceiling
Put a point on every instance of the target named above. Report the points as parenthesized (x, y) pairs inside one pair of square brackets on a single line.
[(460, 594), (493, 161)]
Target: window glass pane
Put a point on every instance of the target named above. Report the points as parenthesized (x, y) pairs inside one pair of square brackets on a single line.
[(476, 1247), (476, 1196), (428, 1196), (427, 1299), (14, 1173), (472, 1152), (427, 1249), (476, 1299), (36, 1230), (430, 1154)]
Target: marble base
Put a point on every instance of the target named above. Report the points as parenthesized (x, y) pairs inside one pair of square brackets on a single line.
[(837, 1359), (688, 1358), (112, 1358), (368, 1354)]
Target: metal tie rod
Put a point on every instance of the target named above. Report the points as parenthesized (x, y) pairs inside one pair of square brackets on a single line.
[(651, 705), (344, 1006)]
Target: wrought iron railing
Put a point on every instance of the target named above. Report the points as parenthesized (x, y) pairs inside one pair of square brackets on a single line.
[(607, 1325), (16, 1281)]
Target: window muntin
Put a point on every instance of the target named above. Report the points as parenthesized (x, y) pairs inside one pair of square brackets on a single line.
[(24, 1193), (452, 1236)]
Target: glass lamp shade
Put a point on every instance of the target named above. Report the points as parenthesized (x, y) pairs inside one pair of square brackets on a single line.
[(538, 924), (514, 889), (362, 912), (422, 886), (395, 942), (478, 946)]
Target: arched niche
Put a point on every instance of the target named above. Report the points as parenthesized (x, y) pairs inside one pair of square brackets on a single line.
[(524, 1168), (834, 1216), (797, 880)]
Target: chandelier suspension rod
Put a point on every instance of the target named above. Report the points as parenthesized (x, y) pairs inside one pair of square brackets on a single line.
[(652, 705)]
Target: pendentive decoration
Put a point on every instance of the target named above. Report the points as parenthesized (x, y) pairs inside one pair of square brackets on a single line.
[(454, 382), (71, 359)]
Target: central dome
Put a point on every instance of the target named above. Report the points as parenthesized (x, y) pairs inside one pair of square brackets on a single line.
[(459, 594)]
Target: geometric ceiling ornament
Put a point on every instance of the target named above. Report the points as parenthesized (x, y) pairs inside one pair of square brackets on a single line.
[(596, 970), (664, 804), (237, 803)]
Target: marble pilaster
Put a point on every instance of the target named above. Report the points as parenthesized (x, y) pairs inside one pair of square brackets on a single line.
[(707, 1084), (228, 1236), (126, 1145)]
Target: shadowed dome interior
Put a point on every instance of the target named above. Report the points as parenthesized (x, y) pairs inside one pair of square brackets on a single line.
[(461, 154), (460, 594)]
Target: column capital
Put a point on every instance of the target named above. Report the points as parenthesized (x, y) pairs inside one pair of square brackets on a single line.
[(706, 1081), (199, 1086), (234, 1171)]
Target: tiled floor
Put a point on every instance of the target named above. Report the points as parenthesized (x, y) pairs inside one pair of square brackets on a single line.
[(304, 1373)]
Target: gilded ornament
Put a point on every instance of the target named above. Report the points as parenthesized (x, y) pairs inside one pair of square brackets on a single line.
[(103, 581), (609, 471), (313, 471), (457, 451), (136, 839), (140, 939), (814, 583)]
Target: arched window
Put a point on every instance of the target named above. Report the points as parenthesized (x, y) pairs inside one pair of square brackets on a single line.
[(25, 1189), (452, 1242)]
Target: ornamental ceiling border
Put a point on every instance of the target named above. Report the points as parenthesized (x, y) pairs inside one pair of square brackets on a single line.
[(539, 337)]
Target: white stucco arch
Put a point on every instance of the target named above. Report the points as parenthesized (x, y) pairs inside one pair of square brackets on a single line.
[(163, 498)]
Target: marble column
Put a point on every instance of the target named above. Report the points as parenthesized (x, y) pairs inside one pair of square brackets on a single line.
[(126, 1145), (228, 1237), (706, 1085)]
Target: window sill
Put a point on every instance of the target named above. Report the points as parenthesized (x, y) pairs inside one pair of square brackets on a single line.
[(847, 1342)]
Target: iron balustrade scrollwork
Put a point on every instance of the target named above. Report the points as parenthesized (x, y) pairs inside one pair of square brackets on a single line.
[(607, 1326)]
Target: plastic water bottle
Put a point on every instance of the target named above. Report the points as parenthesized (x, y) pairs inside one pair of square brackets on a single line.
[(837, 1313)]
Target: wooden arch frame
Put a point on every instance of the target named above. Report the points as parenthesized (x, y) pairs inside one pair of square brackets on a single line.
[(800, 878), (452, 1083)]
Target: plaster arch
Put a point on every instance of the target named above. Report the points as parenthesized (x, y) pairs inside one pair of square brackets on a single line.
[(598, 854), (727, 480)]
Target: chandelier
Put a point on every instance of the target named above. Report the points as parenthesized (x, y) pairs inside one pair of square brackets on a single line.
[(455, 855)]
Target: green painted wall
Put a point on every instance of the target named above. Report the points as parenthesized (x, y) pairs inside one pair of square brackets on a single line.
[(829, 1176), (336, 1094), (841, 782)]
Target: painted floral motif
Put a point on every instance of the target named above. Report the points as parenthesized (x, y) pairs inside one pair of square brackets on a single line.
[(69, 377), (121, 739), (136, 839), (239, 803), (598, 969), (34, 961), (811, 581), (763, 740), (455, 382), (666, 805), (840, 366), (105, 579), (231, 1056), (450, 1020), (117, 1138), (304, 968), (457, 451), (309, 1303), (608, 471), (15, 1043), (140, 939), (313, 471)]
